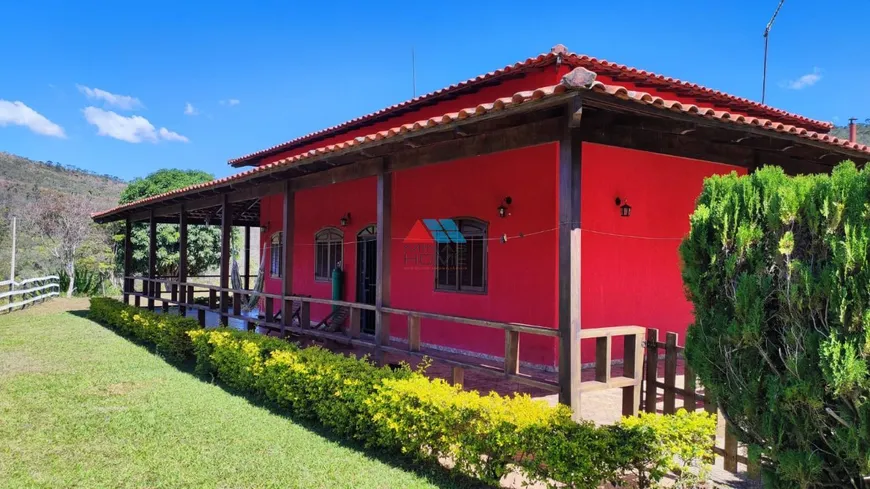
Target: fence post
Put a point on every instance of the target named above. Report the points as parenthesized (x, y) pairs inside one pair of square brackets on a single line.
[(304, 315), (150, 287), (652, 367), (670, 394), (414, 333), (511, 352), (730, 462), (602, 359), (354, 328), (457, 376), (270, 315), (200, 316), (237, 304), (690, 402), (632, 368)]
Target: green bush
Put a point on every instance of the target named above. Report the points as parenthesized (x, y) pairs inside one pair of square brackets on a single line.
[(682, 447), (167, 332), (484, 436), (402, 410), (777, 270)]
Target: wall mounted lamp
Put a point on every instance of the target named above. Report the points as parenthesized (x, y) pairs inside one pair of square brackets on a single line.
[(624, 208), (503, 208), (345, 219)]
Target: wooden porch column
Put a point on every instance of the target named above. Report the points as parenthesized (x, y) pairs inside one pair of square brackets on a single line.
[(182, 258), (152, 260), (226, 234), (287, 254), (247, 257), (570, 160), (384, 236), (128, 260)]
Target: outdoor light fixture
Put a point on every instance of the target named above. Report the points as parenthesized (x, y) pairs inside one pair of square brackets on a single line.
[(624, 208), (345, 219), (503, 208)]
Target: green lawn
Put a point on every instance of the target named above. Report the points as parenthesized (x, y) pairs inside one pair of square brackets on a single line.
[(83, 407)]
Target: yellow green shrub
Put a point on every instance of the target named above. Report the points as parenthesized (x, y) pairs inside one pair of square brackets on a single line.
[(682, 447), (168, 333), (484, 436)]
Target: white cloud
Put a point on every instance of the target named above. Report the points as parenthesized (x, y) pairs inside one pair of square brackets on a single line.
[(18, 114), (805, 81), (133, 129), (189, 109), (171, 135), (230, 102), (124, 102)]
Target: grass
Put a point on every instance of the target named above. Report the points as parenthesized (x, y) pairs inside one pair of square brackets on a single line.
[(83, 407)]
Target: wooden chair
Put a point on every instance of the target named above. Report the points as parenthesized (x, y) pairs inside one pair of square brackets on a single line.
[(334, 320)]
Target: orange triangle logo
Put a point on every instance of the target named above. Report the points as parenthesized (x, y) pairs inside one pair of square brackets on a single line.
[(418, 234)]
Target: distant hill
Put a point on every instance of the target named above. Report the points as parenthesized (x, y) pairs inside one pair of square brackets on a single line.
[(23, 174), (863, 132), (21, 181)]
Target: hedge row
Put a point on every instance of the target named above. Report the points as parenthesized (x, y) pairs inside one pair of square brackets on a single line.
[(485, 436), (167, 332)]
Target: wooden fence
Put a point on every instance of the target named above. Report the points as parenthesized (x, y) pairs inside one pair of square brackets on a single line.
[(668, 357), (227, 303), (30, 291)]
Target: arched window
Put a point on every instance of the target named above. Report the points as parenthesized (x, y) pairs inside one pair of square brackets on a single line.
[(276, 255), (327, 253), (461, 267)]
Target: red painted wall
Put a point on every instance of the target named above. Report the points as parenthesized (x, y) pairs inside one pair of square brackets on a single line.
[(316, 209), (630, 266), (521, 275)]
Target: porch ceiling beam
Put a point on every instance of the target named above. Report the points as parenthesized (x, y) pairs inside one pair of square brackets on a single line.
[(531, 134), (488, 127), (601, 129), (236, 194), (608, 102)]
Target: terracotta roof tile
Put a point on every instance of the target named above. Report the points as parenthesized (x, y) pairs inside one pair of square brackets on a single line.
[(557, 53), (502, 104), (482, 109)]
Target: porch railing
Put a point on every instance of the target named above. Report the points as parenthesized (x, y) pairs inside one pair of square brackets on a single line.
[(172, 292), (27, 292), (671, 354)]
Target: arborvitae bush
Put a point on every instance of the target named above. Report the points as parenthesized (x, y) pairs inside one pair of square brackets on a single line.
[(777, 270)]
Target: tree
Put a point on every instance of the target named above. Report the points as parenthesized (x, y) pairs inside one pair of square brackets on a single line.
[(64, 221), (204, 243), (777, 269)]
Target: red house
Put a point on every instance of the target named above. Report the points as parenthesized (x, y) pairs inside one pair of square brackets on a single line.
[(548, 196)]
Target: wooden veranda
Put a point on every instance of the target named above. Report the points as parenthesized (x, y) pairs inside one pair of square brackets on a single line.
[(577, 111)]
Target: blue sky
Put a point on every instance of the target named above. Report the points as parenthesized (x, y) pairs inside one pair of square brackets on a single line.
[(104, 86)]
